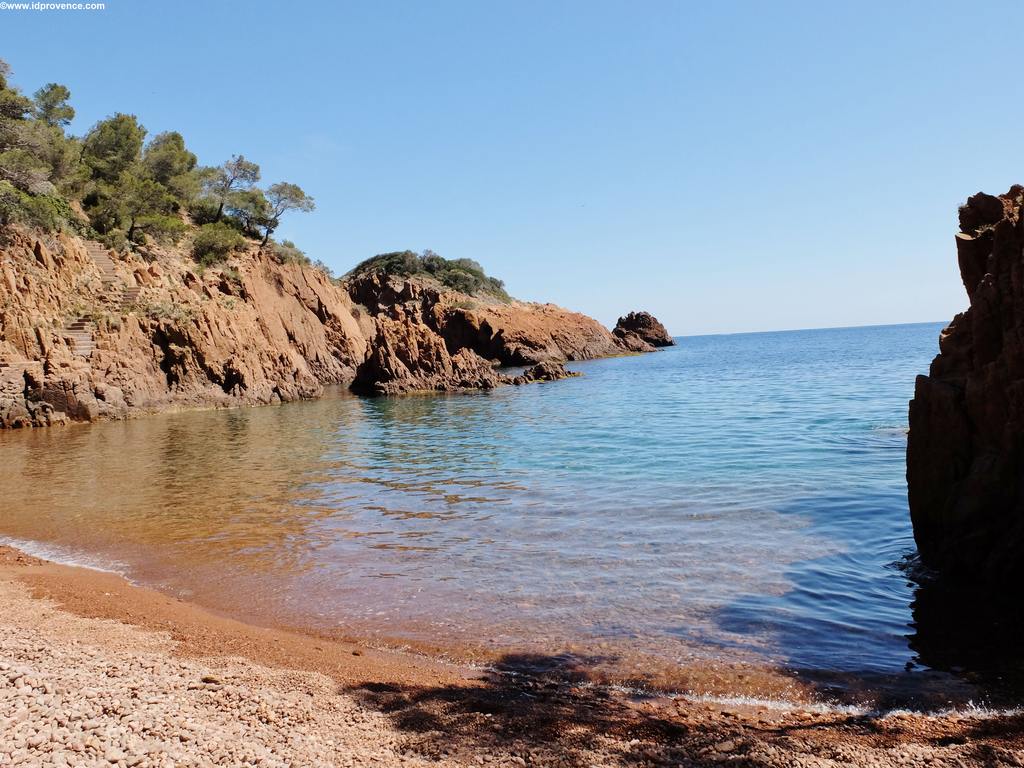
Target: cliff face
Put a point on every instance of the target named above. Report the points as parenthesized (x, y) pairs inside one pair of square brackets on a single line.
[(431, 337), (511, 333), (85, 334), (252, 332), (965, 451)]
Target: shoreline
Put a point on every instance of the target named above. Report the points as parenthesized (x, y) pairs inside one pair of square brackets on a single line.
[(714, 678), (360, 703)]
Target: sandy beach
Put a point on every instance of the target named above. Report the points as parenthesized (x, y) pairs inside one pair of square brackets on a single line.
[(95, 671)]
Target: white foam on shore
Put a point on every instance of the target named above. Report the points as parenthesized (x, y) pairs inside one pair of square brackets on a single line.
[(968, 711), (66, 556), (778, 705)]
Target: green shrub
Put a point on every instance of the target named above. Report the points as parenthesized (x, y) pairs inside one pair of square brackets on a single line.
[(286, 252), (463, 275), (203, 211), (115, 239), (47, 212), (166, 228), (213, 243)]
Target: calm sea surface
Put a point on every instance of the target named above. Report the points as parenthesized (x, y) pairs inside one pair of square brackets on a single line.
[(734, 497)]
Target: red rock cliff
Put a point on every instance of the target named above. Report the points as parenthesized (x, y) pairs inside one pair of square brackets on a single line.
[(87, 334), (156, 334), (965, 451)]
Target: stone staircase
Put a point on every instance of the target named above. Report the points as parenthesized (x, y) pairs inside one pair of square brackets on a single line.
[(101, 256), (79, 332)]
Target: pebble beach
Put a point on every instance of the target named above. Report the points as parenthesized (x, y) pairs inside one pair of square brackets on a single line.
[(165, 684)]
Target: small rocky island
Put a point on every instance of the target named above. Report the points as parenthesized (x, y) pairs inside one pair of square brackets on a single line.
[(965, 452)]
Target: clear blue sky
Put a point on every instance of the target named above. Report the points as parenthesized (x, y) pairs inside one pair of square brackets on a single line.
[(729, 166)]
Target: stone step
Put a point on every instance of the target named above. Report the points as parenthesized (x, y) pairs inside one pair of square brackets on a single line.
[(79, 333)]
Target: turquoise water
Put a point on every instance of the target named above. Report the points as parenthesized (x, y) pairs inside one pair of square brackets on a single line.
[(736, 496)]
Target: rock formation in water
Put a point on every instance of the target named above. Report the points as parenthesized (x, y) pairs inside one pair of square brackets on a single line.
[(88, 334), (641, 331), (543, 372), (428, 336), (965, 451), (407, 355)]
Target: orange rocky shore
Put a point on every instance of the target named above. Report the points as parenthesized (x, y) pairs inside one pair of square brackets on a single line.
[(97, 672), (88, 334)]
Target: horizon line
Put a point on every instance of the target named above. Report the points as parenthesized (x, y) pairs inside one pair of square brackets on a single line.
[(816, 328)]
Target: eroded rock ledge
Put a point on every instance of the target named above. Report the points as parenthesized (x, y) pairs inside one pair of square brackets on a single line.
[(168, 335), (965, 452)]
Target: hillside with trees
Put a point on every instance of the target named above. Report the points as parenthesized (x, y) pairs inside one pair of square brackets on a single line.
[(135, 279), (124, 187)]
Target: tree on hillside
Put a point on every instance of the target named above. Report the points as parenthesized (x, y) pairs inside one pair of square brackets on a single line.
[(251, 208), (14, 106), (51, 105), (138, 197), (22, 143), (234, 175), (169, 162), (281, 198), (113, 146), (166, 157)]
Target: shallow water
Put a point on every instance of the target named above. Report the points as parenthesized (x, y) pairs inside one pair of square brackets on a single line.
[(733, 497)]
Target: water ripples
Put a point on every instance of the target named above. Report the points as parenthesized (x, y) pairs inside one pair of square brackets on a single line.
[(735, 494)]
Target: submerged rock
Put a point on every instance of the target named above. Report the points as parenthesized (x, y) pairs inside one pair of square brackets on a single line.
[(543, 372), (638, 330), (965, 449)]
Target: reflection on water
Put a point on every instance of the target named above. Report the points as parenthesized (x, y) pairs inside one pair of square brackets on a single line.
[(739, 494)]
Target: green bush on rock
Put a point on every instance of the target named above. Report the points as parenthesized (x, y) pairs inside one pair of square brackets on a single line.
[(47, 212), (213, 243), (463, 275)]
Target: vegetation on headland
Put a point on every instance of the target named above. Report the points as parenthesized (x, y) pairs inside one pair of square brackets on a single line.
[(114, 185), (118, 185), (463, 275)]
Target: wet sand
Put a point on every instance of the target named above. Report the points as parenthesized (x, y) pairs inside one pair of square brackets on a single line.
[(96, 671)]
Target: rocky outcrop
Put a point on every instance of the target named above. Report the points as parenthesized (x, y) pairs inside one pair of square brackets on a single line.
[(251, 332), (431, 337), (407, 355), (641, 331), (150, 331), (508, 332), (543, 372), (525, 334), (965, 451)]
